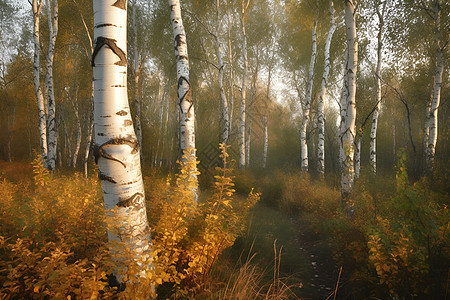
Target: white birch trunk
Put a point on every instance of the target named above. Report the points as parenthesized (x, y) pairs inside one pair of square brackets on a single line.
[(376, 112), (348, 106), (231, 78), (89, 133), (358, 155), (74, 100), (220, 65), (435, 101), (323, 94), (266, 142), (37, 83), (242, 110), (185, 101), (51, 129), (116, 148), (137, 69), (308, 96)]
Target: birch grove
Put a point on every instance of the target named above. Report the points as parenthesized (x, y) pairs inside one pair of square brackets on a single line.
[(307, 103), (323, 93), (348, 107), (116, 148)]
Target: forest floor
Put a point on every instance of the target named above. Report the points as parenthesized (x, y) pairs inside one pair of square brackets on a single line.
[(306, 263)]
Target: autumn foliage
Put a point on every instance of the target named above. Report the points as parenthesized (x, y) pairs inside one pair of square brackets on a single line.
[(53, 237)]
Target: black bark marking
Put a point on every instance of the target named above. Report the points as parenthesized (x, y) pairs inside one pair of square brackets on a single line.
[(111, 43), (134, 200), (99, 150), (102, 176), (121, 113), (105, 25), (122, 4), (182, 98)]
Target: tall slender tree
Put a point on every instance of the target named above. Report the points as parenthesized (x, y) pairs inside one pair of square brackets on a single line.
[(52, 16), (185, 101), (323, 93), (376, 112), (431, 120), (36, 5), (242, 110), (348, 107), (116, 148), (307, 104)]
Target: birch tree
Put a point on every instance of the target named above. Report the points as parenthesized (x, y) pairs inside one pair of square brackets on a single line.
[(242, 110), (431, 120), (348, 107), (308, 96), (116, 148), (185, 101), (376, 112), (221, 66), (323, 94), (36, 5), (137, 71), (52, 16)]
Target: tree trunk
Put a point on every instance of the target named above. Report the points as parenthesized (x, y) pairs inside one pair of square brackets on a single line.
[(242, 110), (435, 100), (137, 72), (185, 102), (37, 83), (376, 112), (358, 155), (74, 100), (266, 142), (348, 107), (220, 65), (51, 123), (323, 94), (308, 96), (231, 78), (89, 132), (116, 148)]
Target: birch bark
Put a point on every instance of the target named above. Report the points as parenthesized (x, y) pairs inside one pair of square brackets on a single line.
[(137, 69), (242, 110), (51, 129), (308, 96), (323, 94), (37, 83), (348, 107), (231, 78), (220, 65), (116, 148), (185, 101), (435, 100), (376, 112)]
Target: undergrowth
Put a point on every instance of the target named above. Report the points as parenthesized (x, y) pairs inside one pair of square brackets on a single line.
[(53, 240)]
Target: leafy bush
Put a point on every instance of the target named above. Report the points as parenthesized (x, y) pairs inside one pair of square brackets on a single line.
[(53, 237)]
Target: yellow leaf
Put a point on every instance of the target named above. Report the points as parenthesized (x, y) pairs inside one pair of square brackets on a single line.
[(36, 289)]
